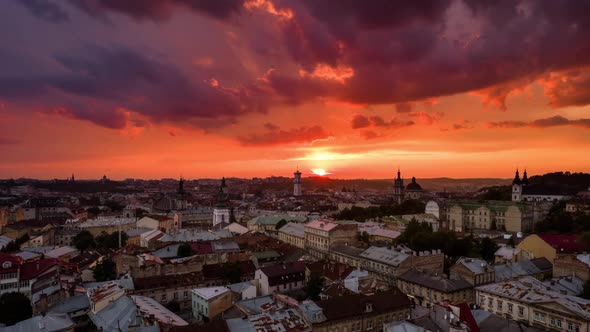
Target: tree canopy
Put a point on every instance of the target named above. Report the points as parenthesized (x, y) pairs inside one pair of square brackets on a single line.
[(314, 286), (83, 241), (14, 307), (105, 270), (184, 250)]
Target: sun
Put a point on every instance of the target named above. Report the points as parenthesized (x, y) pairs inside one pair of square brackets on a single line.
[(319, 171)]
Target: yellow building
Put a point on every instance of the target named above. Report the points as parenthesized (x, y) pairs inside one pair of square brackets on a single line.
[(548, 246)]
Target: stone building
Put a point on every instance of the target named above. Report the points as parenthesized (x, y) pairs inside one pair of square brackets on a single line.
[(321, 234), (363, 313), (426, 289), (473, 270), (293, 234), (572, 266)]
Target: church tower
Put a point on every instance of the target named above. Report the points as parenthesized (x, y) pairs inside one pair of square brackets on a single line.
[(297, 183), (517, 187), (398, 189), (180, 202), (221, 210)]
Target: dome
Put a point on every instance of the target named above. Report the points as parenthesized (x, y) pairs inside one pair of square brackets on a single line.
[(413, 186)]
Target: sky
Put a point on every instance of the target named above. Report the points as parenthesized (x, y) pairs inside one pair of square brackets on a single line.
[(254, 88)]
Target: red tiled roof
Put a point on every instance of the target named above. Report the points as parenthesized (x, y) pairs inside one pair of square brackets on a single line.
[(563, 243), (15, 262), (466, 316), (31, 270)]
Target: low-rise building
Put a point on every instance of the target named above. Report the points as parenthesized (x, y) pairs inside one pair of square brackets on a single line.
[(527, 300), (322, 234), (539, 268), (362, 313), (549, 245), (281, 278), (463, 216), (572, 265), (473, 270), (389, 263), (210, 302), (426, 289), (293, 234)]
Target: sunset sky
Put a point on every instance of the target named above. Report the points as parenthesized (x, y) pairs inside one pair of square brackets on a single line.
[(245, 88)]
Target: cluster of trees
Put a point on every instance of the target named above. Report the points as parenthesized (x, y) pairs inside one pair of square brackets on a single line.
[(363, 214), (14, 307), (420, 237), (314, 286), (85, 240), (14, 246), (105, 270), (560, 221)]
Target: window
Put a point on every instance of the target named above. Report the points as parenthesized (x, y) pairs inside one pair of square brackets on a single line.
[(510, 307), (490, 301), (370, 325), (499, 305), (520, 311), (539, 316)]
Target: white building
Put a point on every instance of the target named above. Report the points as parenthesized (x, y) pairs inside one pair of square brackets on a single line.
[(297, 183), (209, 302), (280, 277)]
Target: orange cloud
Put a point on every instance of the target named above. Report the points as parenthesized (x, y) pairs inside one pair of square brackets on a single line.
[(325, 72)]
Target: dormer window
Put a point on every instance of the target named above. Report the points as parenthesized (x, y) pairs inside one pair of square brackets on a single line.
[(6, 265), (368, 307)]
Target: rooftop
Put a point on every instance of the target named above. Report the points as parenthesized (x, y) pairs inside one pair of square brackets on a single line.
[(435, 282), (149, 307), (294, 229), (208, 293), (385, 255)]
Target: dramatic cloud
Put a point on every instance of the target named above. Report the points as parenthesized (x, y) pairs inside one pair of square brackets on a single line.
[(404, 107), (403, 52), (275, 135), (543, 123), (159, 10), (100, 81), (45, 10), (360, 121)]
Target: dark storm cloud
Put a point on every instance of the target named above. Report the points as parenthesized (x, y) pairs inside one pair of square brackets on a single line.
[(543, 123), (159, 10), (360, 121), (98, 81), (275, 135), (46, 10), (400, 52)]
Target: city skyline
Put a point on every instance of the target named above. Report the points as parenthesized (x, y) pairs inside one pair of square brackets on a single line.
[(255, 88)]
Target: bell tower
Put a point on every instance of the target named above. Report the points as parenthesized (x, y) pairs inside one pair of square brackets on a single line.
[(517, 187)]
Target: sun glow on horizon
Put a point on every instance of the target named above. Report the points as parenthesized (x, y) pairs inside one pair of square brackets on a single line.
[(319, 171)]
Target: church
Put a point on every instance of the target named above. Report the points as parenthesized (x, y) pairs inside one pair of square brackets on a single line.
[(522, 190), (400, 193)]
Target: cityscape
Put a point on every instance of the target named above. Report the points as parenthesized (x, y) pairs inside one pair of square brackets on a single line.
[(294, 166)]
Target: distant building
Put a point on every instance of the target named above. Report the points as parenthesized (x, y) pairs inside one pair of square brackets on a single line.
[(180, 202), (293, 234), (398, 188), (527, 300), (297, 183), (572, 265), (473, 270), (281, 277), (549, 245), (221, 213), (322, 234), (210, 302), (426, 289), (522, 190), (362, 313), (464, 216)]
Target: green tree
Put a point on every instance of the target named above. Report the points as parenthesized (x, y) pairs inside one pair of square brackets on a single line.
[(14, 307), (105, 270), (83, 241), (313, 287), (111, 241), (280, 224), (173, 306), (364, 237), (487, 249), (184, 250)]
